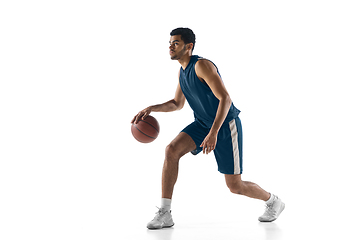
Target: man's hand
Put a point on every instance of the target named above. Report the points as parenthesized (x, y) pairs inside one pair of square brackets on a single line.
[(209, 142), (141, 115)]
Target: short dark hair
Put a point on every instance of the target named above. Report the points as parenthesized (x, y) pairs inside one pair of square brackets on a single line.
[(187, 35)]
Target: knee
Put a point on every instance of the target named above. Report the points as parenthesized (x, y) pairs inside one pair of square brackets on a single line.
[(236, 187), (171, 154)]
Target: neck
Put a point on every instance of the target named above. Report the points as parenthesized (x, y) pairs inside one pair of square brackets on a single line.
[(184, 61)]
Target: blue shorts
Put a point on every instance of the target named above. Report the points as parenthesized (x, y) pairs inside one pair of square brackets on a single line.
[(228, 149)]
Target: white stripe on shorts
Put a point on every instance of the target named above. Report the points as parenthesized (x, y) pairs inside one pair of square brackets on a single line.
[(235, 145)]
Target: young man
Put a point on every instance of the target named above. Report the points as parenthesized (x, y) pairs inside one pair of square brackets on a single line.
[(217, 128)]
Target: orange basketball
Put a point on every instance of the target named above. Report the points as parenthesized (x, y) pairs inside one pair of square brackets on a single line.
[(147, 130)]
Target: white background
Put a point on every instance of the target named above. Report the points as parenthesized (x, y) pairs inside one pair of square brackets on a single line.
[(74, 73)]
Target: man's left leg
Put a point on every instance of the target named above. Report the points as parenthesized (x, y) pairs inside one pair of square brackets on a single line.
[(274, 205), (249, 189)]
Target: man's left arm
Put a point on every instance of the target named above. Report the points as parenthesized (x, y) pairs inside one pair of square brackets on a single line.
[(207, 72)]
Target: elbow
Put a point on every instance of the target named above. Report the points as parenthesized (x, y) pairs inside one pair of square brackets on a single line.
[(180, 105), (226, 99)]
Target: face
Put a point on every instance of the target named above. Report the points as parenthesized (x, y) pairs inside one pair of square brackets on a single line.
[(177, 47)]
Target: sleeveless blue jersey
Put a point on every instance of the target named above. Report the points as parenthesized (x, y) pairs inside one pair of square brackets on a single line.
[(200, 97)]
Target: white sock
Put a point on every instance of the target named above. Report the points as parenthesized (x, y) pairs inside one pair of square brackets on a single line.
[(271, 199), (166, 204)]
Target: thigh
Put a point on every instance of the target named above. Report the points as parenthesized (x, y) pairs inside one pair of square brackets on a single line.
[(232, 179), (198, 133), (183, 144)]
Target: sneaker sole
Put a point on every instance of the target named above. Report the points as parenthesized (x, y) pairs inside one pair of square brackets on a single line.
[(161, 227)]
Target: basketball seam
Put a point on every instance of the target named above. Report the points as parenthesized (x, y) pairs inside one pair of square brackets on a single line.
[(139, 140), (143, 132), (150, 125)]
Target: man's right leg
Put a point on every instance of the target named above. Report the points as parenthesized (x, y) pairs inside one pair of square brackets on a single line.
[(181, 145)]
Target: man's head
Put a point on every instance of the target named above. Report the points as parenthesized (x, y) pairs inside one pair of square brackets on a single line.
[(182, 40)]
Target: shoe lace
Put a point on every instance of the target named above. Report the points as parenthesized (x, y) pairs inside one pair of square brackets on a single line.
[(270, 210), (159, 213)]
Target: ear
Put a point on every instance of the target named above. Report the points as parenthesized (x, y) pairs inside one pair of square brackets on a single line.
[(189, 46)]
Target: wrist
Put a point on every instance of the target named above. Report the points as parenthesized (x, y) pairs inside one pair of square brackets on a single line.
[(151, 108), (213, 132)]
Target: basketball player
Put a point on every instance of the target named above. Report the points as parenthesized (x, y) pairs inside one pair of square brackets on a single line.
[(216, 127)]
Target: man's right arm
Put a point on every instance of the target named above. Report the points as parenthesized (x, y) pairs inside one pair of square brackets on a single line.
[(174, 104)]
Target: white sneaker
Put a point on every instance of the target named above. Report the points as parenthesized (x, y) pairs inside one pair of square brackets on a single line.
[(163, 219), (273, 210)]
